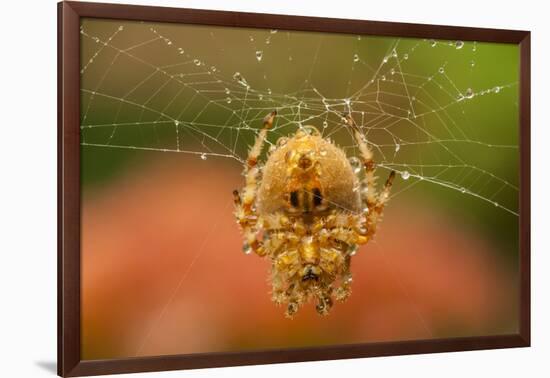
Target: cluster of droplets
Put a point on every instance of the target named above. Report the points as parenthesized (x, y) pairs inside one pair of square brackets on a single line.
[(241, 80)]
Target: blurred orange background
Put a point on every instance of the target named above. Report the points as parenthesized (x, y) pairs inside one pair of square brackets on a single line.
[(163, 273)]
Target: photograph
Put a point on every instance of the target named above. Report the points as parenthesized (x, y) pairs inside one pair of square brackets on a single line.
[(247, 189)]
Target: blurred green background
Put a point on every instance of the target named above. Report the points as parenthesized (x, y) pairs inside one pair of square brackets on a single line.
[(167, 114)]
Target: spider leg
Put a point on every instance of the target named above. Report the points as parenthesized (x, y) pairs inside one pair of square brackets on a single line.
[(375, 203), (324, 301), (245, 211), (344, 291)]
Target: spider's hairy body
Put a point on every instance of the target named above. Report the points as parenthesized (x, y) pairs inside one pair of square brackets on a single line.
[(329, 172), (307, 216)]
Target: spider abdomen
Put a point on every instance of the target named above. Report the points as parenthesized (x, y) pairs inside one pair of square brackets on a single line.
[(307, 174)]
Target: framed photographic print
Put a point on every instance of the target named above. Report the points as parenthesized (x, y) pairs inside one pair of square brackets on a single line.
[(239, 188)]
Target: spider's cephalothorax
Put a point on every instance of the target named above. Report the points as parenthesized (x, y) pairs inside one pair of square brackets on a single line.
[(306, 211)]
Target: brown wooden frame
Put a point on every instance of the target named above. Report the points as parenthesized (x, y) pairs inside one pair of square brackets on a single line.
[(69, 360)]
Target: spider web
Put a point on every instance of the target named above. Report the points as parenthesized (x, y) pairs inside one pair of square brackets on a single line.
[(205, 90)]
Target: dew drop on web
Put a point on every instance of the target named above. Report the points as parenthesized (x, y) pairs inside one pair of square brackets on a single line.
[(240, 79), (246, 249), (259, 55), (355, 164), (459, 45), (352, 249), (405, 175)]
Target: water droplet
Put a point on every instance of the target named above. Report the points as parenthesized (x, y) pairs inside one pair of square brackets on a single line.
[(260, 97), (203, 156), (496, 204), (352, 249), (268, 90), (273, 31), (392, 71), (121, 28), (355, 164), (282, 141), (406, 56), (469, 93), (383, 77), (474, 47), (441, 70), (325, 124), (228, 100), (227, 91), (355, 58), (267, 40), (168, 42), (460, 97), (290, 58), (259, 55), (463, 190), (385, 60), (405, 175), (213, 69), (472, 63), (251, 38), (196, 62), (247, 249), (397, 147), (240, 79), (432, 42), (496, 89), (394, 53), (176, 122), (459, 45)]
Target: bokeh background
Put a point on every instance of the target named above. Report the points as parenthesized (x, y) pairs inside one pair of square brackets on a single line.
[(166, 123)]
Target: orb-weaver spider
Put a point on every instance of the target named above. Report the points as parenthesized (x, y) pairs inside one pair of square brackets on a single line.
[(305, 212)]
